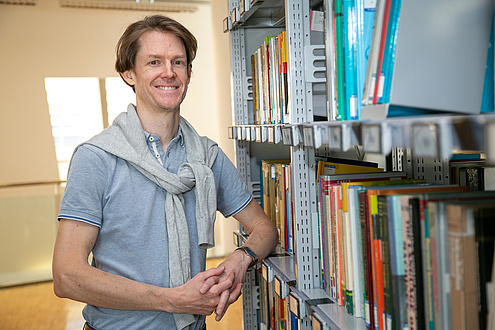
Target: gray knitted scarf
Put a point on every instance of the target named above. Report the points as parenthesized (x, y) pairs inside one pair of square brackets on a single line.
[(125, 139)]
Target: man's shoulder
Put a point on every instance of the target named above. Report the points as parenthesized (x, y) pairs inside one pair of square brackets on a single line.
[(90, 153)]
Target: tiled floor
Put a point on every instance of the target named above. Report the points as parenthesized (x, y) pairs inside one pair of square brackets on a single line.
[(35, 307)]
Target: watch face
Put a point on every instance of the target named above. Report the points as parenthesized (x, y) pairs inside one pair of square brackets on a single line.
[(251, 254)]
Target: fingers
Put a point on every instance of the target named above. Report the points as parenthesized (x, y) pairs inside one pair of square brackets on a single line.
[(208, 284), (212, 278), (232, 297), (224, 296), (222, 305), (214, 271)]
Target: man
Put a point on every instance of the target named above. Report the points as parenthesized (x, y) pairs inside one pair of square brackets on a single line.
[(141, 197)]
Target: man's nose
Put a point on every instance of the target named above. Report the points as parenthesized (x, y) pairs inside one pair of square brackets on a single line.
[(168, 71)]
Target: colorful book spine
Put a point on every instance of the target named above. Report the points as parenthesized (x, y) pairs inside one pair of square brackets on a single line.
[(372, 67), (339, 60), (385, 239), (367, 266), (383, 35), (377, 265), (427, 266), (397, 262), (365, 18), (350, 29), (389, 52)]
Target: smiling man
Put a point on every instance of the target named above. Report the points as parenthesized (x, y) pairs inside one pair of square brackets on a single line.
[(141, 197)]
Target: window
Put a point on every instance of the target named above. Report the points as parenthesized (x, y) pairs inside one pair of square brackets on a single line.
[(76, 111), (119, 95)]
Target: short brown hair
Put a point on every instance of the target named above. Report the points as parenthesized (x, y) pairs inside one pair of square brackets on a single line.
[(129, 45)]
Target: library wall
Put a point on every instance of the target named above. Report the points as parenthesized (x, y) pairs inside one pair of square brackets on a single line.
[(47, 40)]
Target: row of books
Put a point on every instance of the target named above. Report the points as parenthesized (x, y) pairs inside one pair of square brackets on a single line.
[(405, 254), (269, 79), (274, 310), (362, 54), (276, 188), (385, 241), (361, 59), (472, 171), (276, 199)]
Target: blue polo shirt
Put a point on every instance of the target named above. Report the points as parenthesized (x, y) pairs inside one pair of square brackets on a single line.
[(129, 210)]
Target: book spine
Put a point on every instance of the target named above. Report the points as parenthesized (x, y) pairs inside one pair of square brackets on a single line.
[(378, 88), (350, 28), (356, 252), (418, 263), (349, 264), (377, 273), (367, 266), (339, 59), (337, 250), (407, 237), (434, 265), (427, 269), (397, 263), (323, 233), (386, 255), (389, 54)]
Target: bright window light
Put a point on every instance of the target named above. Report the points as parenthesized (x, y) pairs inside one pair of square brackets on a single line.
[(75, 113), (119, 95)]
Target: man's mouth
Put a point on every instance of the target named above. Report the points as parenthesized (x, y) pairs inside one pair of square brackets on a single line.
[(167, 88)]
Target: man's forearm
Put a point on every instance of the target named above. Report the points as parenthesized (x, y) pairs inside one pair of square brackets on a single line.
[(95, 287), (262, 239), (102, 289), (74, 278), (263, 235)]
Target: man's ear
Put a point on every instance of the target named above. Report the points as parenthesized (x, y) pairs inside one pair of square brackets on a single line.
[(128, 77)]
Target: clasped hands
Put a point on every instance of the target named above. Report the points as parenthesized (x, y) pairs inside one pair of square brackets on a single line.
[(214, 289)]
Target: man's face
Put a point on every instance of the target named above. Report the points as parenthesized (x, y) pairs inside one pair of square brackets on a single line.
[(160, 76)]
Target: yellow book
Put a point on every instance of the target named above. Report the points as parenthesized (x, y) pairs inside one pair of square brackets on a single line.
[(331, 168)]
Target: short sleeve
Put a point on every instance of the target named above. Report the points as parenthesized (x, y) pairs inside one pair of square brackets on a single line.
[(232, 192), (83, 196)]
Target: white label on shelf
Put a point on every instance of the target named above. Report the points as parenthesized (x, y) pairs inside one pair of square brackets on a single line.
[(308, 137), (286, 136), (317, 21), (271, 135), (425, 140), (334, 137), (371, 138)]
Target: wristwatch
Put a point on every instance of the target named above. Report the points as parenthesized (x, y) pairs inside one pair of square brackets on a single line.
[(251, 254)]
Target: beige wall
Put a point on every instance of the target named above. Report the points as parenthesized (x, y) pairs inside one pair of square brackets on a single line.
[(47, 40)]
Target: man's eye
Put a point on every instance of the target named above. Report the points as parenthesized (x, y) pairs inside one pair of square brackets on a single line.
[(154, 62), (179, 63)]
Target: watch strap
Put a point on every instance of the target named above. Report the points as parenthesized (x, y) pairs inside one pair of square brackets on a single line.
[(251, 254)]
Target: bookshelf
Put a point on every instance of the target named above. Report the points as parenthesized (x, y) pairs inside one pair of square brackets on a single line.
[(432, 139), (426, 48)]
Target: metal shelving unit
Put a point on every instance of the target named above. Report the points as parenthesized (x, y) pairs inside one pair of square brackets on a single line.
[(248, 24), (420, 145)]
